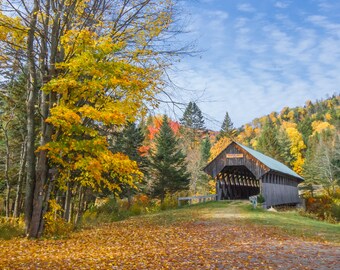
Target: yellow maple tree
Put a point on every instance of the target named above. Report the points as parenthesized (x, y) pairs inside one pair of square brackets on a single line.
[(98, 91), (297, 145), (319, 126)]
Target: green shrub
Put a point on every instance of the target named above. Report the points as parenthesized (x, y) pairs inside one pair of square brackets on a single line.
[(136, 209), (169, 202), (335, 210), (260, 198), (11, 227)]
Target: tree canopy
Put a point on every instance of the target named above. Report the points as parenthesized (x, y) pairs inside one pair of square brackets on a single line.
[(90, 68)]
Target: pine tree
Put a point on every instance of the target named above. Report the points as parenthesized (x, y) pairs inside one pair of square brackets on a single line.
[(205, 150), (322, 162), (169, 164), (285, 146), (128, 142), (192, 117), (203, 178), (268, 142), (227, 128)]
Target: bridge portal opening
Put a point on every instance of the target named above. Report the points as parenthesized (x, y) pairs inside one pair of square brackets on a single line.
[(236, 182)]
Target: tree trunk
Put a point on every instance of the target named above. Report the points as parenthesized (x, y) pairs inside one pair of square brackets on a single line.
[(47, 101), (7, 164), (32, 93), (20, 180), (45, 206), (80, 206), (128, 193), (67, 206)]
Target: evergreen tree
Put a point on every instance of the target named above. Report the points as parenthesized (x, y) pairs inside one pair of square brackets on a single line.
[(268, 142), (227, 128), (203, 179), (305, 128), (205, 150), (192, 117), (128, 142), (284, 146), (169, 164), (310, 168)]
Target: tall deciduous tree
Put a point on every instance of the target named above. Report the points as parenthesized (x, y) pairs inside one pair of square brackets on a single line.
[(168, 161), (91, 66)]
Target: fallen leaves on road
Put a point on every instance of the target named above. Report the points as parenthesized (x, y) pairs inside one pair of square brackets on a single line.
[(140, 243)]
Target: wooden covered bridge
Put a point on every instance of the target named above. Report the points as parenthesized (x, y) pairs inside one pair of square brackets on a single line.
[(241, 172)]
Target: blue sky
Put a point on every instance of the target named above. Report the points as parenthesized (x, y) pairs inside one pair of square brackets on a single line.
[(259, 56)]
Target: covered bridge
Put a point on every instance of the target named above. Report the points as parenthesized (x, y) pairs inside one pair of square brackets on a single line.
[(241, 172)]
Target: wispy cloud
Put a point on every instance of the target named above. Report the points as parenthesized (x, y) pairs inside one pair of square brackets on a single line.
[(280, 4), (246, 7), (322, 21), (255, 64)]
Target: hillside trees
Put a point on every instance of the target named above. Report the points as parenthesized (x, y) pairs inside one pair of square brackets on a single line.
[(91, 66), (322, 162), (267, 142), (304, 138), (168, 162)]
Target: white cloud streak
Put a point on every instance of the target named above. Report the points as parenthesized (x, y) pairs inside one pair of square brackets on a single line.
[(253, 65)]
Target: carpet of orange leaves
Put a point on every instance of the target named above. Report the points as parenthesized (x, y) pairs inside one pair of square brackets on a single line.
[(140, 243)]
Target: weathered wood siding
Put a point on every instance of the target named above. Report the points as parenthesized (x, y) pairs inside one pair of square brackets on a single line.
[(252, 164), (276, 194), (279, 189)]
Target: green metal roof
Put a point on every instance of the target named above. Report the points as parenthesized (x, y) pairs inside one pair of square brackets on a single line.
[(270, 162)]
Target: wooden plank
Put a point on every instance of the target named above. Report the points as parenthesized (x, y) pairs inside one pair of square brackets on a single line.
[(228, 180)]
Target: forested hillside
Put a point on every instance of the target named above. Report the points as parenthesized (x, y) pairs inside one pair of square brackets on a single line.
[(297, 136), (292, 134)]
